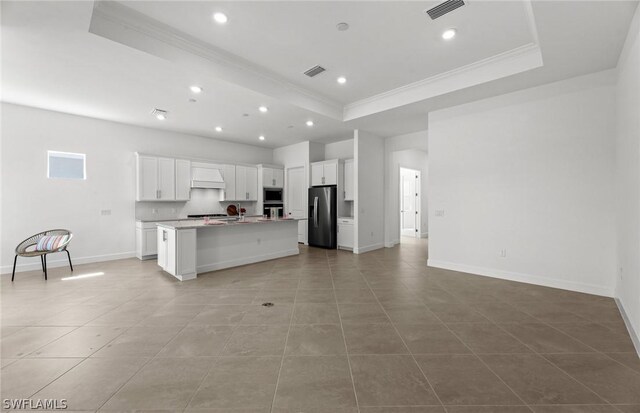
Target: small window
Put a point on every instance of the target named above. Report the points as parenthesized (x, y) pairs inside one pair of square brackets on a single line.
[(66, 165)]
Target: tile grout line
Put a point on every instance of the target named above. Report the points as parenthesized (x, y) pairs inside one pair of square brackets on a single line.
[(344, 340), (405, 344), (284, 350)]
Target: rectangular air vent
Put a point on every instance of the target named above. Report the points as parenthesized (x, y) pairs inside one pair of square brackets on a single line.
[(444, 8), (316, 70)]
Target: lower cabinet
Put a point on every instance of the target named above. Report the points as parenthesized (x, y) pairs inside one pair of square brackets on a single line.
[(302, 231), (345, 233), (146, 242), (177, 252)]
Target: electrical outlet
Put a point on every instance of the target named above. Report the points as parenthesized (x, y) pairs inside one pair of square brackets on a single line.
[(621, 270), (105, 212), (173, 210), (371, 234), (154, 210), (439, 212), (503, 253)]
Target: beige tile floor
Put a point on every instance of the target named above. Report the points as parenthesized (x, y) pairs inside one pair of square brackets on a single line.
[(372, 333)]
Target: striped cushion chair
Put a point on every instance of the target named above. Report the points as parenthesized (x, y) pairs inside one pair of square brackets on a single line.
[(41, 244)]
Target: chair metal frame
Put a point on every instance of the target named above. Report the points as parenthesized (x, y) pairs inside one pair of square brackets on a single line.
[(22, 250)]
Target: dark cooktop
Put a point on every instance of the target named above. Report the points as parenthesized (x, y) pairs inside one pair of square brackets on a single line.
[(206, 215)]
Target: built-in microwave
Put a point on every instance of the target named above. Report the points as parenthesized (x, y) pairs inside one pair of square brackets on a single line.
[(273, 195)]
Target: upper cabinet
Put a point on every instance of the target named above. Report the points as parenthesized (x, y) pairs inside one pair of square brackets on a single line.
[(162, 179), (349, 194), (229, 176), (272, 177), (246, 183), (324, 173)]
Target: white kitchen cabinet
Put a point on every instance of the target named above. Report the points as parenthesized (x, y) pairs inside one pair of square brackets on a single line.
[(166, 179), (303, 227), (317, 173), (156, 178), (272, 177), (324, 173), (229, 176), (183, 180), (177, 252), (349, 188), (252, 183), (146, 242), (246, 183), (345, 233), (147, 178)]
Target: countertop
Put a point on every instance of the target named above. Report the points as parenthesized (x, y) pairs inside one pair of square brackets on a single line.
[(192, 219), (199, 223)]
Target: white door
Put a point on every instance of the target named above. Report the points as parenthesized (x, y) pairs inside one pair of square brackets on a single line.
[(147, 178), (167, 179), (330, 173), (296, 205), (409, 201), (183, 179), (317, 174), (252, 183)]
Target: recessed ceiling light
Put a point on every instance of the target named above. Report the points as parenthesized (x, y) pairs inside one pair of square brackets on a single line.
[(342, 80), (342, 26), (218, 129), (192, 100), (449, 34), (195, 89), (220, 18), (263, 109), (309, 123), (159, 114), (261, 137)]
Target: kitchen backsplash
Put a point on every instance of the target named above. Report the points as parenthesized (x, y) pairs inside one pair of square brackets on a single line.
[(203, 201)]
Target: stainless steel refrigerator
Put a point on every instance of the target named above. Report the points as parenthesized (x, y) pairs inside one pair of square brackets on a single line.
[(323, 217)]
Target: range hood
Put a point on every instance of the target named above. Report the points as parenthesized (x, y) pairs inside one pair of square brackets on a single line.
[(206, 178)]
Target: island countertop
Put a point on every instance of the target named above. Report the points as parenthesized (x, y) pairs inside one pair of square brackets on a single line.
[(190, 224)]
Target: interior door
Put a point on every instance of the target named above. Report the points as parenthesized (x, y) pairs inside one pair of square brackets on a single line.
[(296, 199), (408, 202)]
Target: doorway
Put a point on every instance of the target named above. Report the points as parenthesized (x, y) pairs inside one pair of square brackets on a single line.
[(410, 217)]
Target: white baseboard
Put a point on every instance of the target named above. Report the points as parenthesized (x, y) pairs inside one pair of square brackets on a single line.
[(367, 248), (391, 244), (632, 332), (424, 235), (245, 261), (525, 278), (33, 263)]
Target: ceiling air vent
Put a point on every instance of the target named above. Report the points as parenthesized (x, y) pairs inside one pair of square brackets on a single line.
[(444, 8), (316, 70)]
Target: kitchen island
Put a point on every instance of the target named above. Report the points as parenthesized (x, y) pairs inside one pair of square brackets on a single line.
[(189, 248)]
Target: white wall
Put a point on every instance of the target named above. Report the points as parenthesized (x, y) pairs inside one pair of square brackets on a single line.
[(339, 150), (32, 203), (409, 151), (530, 172), (628, 178), (369, 189)]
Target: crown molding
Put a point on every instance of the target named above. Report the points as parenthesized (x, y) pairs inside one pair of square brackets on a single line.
[(122, 24)]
